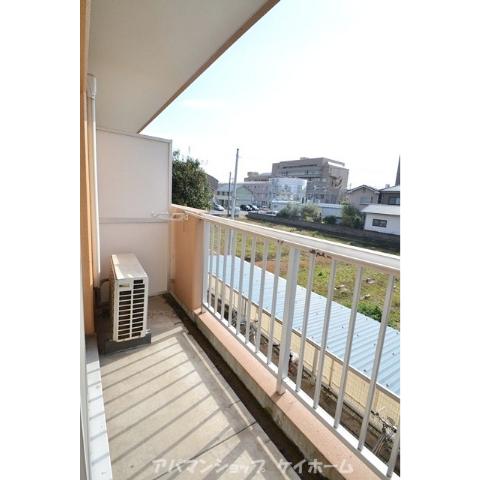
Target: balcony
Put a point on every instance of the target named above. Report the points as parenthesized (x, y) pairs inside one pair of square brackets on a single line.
[(254, 358), (172, 411), (335, 362)]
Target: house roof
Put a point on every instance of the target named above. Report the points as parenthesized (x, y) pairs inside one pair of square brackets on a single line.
[(144, 56), (383, 209), (395, 188), (362, 186), (366, 329), (330, 205)]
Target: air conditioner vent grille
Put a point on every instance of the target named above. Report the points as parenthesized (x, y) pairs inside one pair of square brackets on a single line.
[(129, 297)]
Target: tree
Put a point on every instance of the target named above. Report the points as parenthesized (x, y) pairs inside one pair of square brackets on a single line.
[(290, 211), (189, 182), (351, 216)]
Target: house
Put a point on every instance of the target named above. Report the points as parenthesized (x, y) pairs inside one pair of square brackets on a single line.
[(389, 195), (167, 402), (361, 196), (382, 218)]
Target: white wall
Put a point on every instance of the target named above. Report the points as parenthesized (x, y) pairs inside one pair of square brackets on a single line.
[(134, 181), (393, 223)]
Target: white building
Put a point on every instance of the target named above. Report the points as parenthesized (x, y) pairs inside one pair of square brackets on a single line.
[(382, 218), (286, 190)]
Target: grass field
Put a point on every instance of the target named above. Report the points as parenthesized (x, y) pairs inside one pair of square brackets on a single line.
[(373, 282)]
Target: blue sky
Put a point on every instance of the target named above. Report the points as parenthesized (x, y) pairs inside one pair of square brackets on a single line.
[(311, 78)]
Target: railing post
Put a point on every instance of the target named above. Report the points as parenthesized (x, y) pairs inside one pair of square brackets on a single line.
[(278, 252), (232, 240), (206, 247), (348, 346), (224, 272), (306, 313), (250, 288), (326, 323), (288, 309)]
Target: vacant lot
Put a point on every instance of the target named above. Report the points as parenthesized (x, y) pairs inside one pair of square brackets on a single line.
[(373, 282)]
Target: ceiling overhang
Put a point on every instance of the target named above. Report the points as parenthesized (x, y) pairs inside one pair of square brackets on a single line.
[(144, 53)]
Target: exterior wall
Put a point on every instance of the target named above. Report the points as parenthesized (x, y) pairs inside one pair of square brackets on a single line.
[(393, 223), (361, 198), (260, 192), (134, 182), (386, 198), (287, 190), (186, 256), (86, 255), (244, 195), (328, 211)]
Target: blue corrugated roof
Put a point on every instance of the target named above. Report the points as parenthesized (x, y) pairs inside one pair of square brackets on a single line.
[(366, 328)]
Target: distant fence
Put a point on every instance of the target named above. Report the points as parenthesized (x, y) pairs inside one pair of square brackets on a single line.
[(340, 231)]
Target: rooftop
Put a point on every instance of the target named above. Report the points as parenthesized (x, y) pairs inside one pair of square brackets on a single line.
[(395, 188), (363, 186), (366, 330), (383, 209)]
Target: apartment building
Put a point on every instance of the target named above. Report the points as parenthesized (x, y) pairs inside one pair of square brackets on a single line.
[(326, 179)]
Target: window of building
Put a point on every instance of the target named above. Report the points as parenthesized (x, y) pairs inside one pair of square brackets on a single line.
[(364, 201), (394, 201), (376, 222)]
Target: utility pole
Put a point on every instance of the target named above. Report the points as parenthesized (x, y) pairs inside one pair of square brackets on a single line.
[(228, 199), (234, 196)]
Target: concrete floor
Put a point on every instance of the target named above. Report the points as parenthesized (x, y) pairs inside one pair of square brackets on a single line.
[(171, 414)]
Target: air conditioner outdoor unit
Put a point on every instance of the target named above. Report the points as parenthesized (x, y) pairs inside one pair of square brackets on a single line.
[(129, 297)]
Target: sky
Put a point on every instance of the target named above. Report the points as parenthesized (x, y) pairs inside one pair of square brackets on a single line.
[(312, 78)]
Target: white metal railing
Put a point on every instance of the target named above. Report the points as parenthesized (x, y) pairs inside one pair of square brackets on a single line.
[(220, 292)]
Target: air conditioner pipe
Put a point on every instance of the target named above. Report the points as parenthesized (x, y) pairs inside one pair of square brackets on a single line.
[(92, 168)]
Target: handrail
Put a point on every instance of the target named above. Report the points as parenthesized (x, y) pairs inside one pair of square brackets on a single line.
[(384, 262), (214, 299)]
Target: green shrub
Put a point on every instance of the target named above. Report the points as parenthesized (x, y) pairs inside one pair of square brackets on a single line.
[(311, 213), (370, 310), (330, 220), (290, 211), (351, 216)]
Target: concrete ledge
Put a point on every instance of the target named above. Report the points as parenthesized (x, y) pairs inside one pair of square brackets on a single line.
[(100, 466), (315, 440)]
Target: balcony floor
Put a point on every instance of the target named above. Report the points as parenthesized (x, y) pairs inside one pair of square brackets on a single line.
[(166, 404)]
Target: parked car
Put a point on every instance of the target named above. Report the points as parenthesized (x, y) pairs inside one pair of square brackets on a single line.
[(254, 208), (217, 207), (245, 208)]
